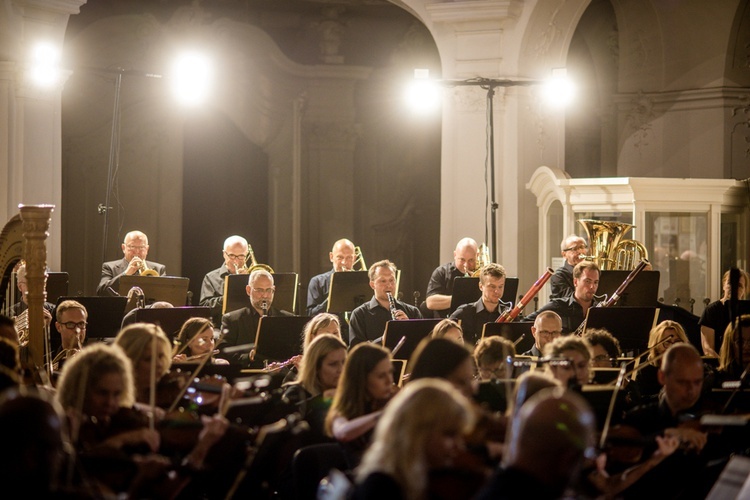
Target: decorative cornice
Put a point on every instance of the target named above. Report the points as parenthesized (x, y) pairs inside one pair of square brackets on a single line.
[(475, 10)]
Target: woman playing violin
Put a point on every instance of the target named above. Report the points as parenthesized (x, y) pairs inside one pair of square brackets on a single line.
[(661, 337), (730, 366), (320, 323), (576, 351), (139, 341), (197, 337), (365, 387)]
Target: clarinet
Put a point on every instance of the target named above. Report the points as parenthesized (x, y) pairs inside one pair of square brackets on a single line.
[(392, 305)]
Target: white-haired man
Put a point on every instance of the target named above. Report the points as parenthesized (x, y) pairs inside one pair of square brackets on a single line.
[(134, 250), (235, 252)]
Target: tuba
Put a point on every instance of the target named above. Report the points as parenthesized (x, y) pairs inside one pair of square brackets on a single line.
[(608, 249), (483, 258)]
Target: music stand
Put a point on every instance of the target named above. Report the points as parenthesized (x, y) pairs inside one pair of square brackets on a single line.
[(284, 298), (492, 394), (643, 291), (348, 290), (413, 329), (104, 316), (171, 319), (278, 338), (512, 332), (599, 398), (57, 286), (170, 289), (630, 325), (466, 291)]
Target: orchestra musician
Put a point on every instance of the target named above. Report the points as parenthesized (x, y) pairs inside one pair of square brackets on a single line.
[(605, 348), (578, 354), (733, 357), (715, 317), (661, 337), (550, 436), (448, 329), (486, 309), (21, 306), (136, 341), (572, 310), (445, 359), (368, 320), (440, 289), (319, 324), (71, 323), (342, 258), (546, 328), (196, 340), (365, 387), (491, 357), (235, 252), (134, 249), (421, 431), (241, 325), (573, 249)]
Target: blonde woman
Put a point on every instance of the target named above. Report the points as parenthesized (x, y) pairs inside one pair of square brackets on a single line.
[(139, 341), (320, 323), (661, 337), (421, 430), (448, 329), (730, 367)]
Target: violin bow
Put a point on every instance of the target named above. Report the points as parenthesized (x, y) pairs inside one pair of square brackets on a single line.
[(192, 376), (611, 409)]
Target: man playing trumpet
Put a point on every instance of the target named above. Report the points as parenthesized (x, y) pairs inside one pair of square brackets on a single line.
[(212, 291), (135, 250)]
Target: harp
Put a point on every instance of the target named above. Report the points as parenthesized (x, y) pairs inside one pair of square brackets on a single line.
[(24, 237)]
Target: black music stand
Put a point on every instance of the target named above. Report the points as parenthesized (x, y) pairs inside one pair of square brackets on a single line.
[(512, 332), (604, 375), (57, 286), (492, 394), (599, 398), (278, 338), (630, 325), (284, 298), (348, 290), (413, 329), (170, 289), (104, 317), (643, 291), (466, 291), (171, 319)]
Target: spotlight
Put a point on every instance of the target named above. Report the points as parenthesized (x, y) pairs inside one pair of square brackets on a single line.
[(44, 70), (559, 91), (191, 78), (422, 94)]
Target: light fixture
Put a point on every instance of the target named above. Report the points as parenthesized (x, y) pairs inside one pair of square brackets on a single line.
[(559, 90), (44, 69), (191, 78), (422, 94)]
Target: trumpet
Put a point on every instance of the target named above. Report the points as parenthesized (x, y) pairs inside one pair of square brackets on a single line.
[(145, 270)]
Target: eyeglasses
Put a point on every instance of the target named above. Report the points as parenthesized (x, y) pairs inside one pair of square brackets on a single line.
[(549, 333), (263, 291), (236, 257), (576, 248), (137, 247), (497, 372), (70, 325)]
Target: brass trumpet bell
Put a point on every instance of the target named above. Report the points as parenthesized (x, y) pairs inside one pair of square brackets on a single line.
[(608, 249)]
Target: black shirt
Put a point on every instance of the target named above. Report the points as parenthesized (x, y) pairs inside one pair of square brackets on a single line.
[(367, 322), (562, 282), (570, 312), (212, 292), (241, 326), (441, 283), (716, 316), (473, 317)]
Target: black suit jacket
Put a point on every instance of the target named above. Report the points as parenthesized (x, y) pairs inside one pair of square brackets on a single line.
[(113, 270), (240, 327)]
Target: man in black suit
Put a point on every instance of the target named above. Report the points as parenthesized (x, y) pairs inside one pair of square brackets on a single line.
[(239, 327), (135, 250)]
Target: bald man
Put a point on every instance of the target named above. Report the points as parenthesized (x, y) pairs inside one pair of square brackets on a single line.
[(342, 259), (550, 437), (547, 327), (134, 251), (440, 288)]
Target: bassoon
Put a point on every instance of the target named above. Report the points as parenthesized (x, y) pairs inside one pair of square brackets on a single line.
[(511, 314)]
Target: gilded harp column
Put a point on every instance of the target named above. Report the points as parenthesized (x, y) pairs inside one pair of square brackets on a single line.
[(36, 221)]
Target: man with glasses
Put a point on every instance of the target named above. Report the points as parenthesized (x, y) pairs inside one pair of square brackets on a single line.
[(547, 327), (71, 323), (485, 310), (573, 248), (135, 250), (572, 310), (212, 291), (239, 327)]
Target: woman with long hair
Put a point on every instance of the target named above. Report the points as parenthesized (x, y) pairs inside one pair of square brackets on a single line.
[(715, 317), (445, 359), (732, 352), (448, 329), (320, 323), (139, 342), (661, 337), (365, 387), (420, 431)]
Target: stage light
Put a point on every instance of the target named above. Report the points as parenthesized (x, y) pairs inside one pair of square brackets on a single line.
[(191, 78), (422, 93), (44, 69), (559, 90)]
